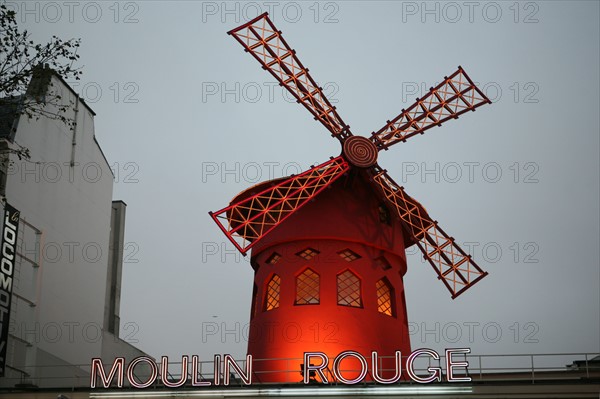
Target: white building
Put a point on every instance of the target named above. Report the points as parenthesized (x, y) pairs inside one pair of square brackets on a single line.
[(67, 271)]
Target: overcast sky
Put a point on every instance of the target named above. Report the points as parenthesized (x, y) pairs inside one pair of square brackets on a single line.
[(188, 120)]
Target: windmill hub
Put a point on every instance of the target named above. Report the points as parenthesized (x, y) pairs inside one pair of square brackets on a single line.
[(360, 151)]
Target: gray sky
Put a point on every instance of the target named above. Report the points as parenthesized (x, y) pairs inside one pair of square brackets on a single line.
[(189, 120)]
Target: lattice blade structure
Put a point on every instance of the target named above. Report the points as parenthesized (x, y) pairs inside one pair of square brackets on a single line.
[(250, 219), (263, 40), (454, 267), (456, 95)]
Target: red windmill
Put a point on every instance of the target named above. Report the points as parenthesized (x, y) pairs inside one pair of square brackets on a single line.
[(329, 244)]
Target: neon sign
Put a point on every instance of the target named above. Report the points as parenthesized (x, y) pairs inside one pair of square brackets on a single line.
[(315, 364)]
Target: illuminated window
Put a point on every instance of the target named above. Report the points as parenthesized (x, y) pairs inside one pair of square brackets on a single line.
[(308, 253), (385, 297), (383, 263), (348, 289), (272, 298), (348, 255), (274, 258), (307, 288)]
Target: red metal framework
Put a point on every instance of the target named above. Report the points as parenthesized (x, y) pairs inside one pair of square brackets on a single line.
[(248, 220), (456, 95), (263, 40)]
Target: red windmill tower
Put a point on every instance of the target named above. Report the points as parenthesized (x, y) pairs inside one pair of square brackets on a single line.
[(329, 244)]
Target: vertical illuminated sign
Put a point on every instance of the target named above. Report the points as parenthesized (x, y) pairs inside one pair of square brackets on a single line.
[(8, 249)]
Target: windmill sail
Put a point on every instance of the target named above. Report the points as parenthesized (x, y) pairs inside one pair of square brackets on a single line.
[(454, 267), (456, 95), (264, 41), (245, 222)]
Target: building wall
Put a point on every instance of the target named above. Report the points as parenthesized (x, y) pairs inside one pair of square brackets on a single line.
[(60, 294)]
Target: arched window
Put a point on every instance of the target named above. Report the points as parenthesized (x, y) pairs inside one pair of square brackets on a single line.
[(307, 288), (272, 295), (348, 289), (385, 297)]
